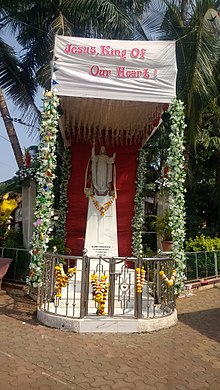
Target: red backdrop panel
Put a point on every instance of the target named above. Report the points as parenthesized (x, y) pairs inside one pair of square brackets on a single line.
[(126, 165)]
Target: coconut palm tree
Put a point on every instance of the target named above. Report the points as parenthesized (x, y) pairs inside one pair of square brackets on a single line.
[(37, 21), (16, 83), (195, 26)]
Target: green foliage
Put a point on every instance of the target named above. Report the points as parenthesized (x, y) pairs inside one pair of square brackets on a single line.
[(161, 225), (3, 229), (11, 185), (202, 243), (201, 265), (138, 219), (17, 81), (201, 197), (59, 243), (148, 252), (176, 186), (156, 157), (63, 201), (45, 197), (13, 239)]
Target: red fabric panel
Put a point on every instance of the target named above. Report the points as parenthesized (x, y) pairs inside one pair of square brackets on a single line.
[(77, 201), (126, 164)]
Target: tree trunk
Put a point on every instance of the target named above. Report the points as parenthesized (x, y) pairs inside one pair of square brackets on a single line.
[(183, 6), (10, 130)]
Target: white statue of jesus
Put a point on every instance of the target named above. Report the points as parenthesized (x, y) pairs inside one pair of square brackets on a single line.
[(100, 188), (102, 175)]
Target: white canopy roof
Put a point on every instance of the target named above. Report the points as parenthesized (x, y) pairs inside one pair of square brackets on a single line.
[(115, 87)]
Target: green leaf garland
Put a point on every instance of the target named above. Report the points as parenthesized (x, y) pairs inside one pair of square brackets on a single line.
[(45, 197), (65, 171), (138, 219), (176, 177)]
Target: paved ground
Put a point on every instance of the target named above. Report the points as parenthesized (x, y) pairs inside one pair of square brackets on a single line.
[(186, 356)]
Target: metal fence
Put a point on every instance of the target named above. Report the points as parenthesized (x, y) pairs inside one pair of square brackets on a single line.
[(199, 265), (202, 265), (18, 269), (123, 295)]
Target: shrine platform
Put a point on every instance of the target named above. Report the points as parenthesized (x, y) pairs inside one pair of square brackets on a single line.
[(127, 302)]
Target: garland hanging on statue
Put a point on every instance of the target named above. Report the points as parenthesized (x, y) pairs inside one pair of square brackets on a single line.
[(102, 208), (45, 197), (176, 177)]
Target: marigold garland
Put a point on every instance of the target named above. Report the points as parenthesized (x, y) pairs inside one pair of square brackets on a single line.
[(61, 279), (102, 208), (140, 278), (99, 292), (168, 281)]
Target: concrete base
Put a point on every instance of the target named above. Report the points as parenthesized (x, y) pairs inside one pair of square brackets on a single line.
[(107, 324)]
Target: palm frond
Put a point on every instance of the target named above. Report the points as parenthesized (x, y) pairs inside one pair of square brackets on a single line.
[(148, 25), (17, 82)]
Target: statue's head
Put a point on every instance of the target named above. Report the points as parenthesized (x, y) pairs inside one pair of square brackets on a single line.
[(102, 150)]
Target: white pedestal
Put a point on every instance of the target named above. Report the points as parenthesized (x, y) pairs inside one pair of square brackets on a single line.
[(101, 231)]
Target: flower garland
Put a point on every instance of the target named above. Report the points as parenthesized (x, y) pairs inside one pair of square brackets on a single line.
[(168, 281), (26, 174), (102, 208), (138, 219), (162, 183), (45, 176), (176, 176), (65, 170), (61, 279), (99, 292), (140, 279)]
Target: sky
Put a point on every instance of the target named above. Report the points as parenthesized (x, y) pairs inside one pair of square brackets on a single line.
[(8, 165)]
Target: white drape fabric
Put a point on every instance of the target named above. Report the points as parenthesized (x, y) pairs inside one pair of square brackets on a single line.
[(143, 71), (112, 90)]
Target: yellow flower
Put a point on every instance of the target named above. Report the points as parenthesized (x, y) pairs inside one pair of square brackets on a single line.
[(170, 283), (161, 273), (72, 270), (48, 94), (31, 273), (98, 297), (57, 268)]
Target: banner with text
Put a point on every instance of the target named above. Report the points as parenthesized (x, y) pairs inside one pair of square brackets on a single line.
[(110, 69)]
